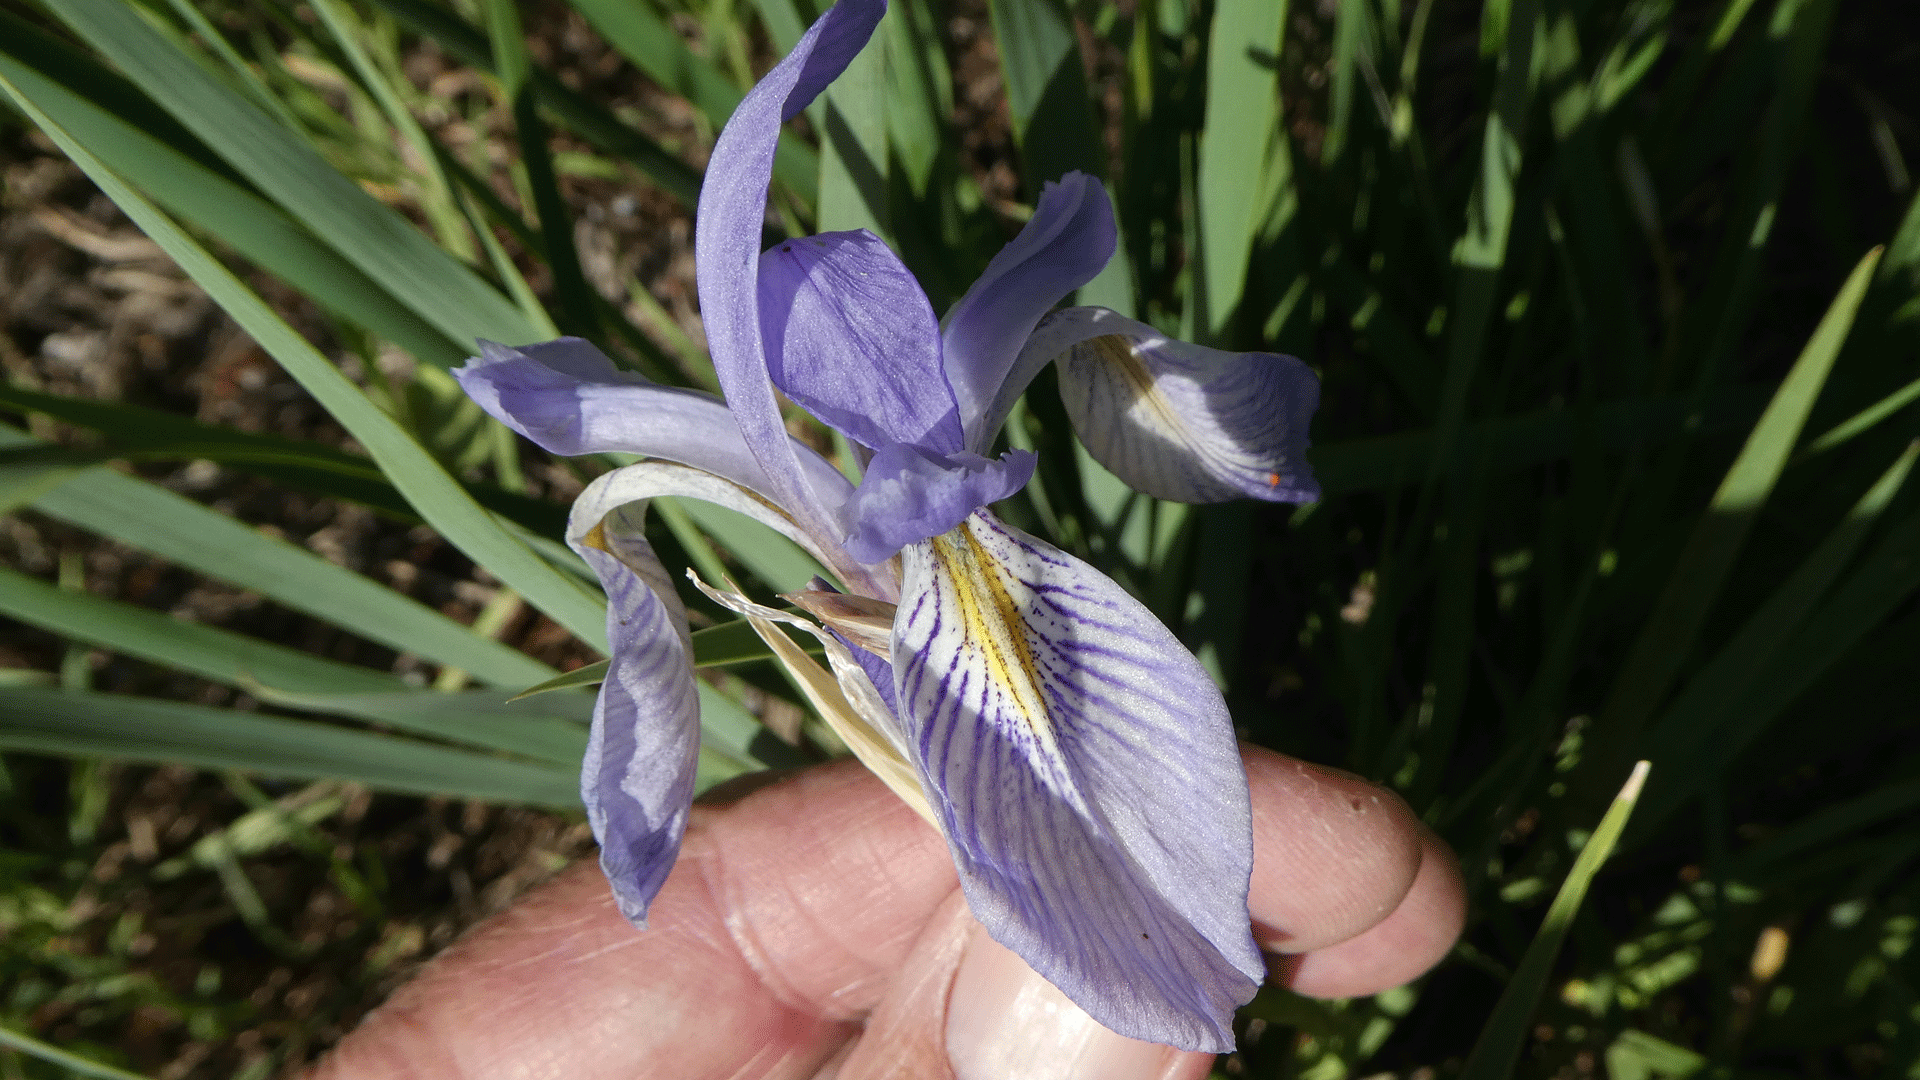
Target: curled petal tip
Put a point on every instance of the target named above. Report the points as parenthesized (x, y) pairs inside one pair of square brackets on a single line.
[(1181, 421), (637, 777)]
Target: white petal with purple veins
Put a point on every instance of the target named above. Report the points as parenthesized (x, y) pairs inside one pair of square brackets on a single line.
[(1180, 421), (1085, 772), (648, 479), (638, 774)]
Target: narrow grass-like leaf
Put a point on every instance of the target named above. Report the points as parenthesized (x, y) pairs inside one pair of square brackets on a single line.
[(53, 1055), (1352, 28), (735, 643), (512, 64), (1862, 421), (1481, 250), (1497, 1049), (582, 115), (151, 518), (263, 234), (587, 675), (552, 730), (853, 147), (206, 651), (75, 723), (437, 202), (25, 479), (426, 485), (1243, 115), (1702, 568), (1513, 443), (436, 286), (1703, 714), (1053, 122), (1828, 826), (655, 48), (919, 91), (138, 433), (1883, 581), (725, 645), (1733, 282)]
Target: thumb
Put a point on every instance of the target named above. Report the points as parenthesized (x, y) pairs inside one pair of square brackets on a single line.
[(972, 1010)]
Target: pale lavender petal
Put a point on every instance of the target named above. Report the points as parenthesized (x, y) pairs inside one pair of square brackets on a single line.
[(851, 338), (908, 494), (567, 397), (1179, 421), (1068, 240), (638, 774), (733, 206), (1085, 773)]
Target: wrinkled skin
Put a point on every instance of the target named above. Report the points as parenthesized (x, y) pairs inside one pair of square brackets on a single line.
[(813, 928)]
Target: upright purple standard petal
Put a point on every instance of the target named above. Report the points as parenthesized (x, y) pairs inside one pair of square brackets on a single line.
[(637, 777), (851, 339), (1068, 240), (1084, 770), (568, 397), (1180, 421), (909, 494), (733, 205)]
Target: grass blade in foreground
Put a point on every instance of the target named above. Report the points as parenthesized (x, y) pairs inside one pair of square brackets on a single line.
[(151, 518), (1498, 1049), (386, 247), (53, 1055), (1702, 568), (424, 483), (85, 724)]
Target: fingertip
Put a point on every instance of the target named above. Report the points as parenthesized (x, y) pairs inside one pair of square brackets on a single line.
[(1400, 948), (1332, 854)]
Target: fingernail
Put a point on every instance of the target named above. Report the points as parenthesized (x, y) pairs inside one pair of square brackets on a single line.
[(1004, 1022)]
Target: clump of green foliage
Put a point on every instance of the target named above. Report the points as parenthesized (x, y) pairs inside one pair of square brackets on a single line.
[(1616, 309)]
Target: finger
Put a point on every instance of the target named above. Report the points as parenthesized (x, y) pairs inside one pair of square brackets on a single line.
[(1400, 948), (772, 927), (1332, 854), (966, 1008)]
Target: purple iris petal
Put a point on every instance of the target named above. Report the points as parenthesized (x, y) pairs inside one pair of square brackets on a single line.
[(638, 774), (1085, 773), (909, 494), (1180, 421), (568, 397), (851, 338), (733, 205), (1068, 240)]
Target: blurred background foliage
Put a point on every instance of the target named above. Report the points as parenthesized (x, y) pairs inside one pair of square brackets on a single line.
[(1617, 312)]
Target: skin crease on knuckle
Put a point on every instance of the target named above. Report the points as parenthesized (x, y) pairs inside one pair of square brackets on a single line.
[(759, 910)]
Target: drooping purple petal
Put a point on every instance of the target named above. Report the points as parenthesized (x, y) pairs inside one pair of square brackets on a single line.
[(1179, 421), (851, 338), (1068, 240), (638, 774), (1085, 773), (733, 205), (567, 397), (909, 494)]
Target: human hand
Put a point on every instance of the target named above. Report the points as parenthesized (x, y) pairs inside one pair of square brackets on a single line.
[(813, 927)]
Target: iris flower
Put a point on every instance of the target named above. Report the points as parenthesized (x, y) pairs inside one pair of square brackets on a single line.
[(1079, 761)]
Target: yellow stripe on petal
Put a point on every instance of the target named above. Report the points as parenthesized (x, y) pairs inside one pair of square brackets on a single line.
[(994, 624)]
